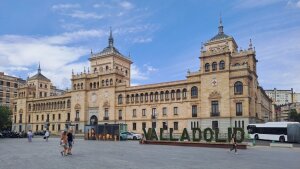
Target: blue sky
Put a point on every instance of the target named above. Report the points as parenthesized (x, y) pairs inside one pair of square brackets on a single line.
[(162, 37)]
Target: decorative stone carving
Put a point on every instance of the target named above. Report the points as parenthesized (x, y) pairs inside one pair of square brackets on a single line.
[(77, 107), (214, 95), (106, 104)]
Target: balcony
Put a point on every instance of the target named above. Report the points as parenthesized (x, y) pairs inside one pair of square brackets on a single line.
[(77, 119), (105, 118), (120, 117), (214, 114)]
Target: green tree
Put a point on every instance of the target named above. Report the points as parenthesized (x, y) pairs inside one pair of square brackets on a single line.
[(294, 116), (5, 117)]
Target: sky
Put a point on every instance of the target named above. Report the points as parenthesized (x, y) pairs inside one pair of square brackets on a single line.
[(163, 38)]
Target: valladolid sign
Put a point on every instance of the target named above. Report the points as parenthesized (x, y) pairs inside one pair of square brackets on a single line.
[(208, 135)]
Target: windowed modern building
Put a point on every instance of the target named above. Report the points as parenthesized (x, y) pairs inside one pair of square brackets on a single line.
[(224, 93)]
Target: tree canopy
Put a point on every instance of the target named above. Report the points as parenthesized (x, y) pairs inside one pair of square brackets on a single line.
[(294, 116), (5, 117)]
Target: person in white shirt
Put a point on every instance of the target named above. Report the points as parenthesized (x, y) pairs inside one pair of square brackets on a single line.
[(29, 135), (46, 135)]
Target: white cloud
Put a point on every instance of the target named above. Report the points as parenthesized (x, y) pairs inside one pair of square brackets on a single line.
[(142, 73), (102, 5), (55, 53), (255, 3), (142, 40), (293, 4), (126, 5), (65, 6), (85, 15)]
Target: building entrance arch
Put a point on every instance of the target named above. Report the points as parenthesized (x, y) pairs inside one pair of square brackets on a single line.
[(93, 120)]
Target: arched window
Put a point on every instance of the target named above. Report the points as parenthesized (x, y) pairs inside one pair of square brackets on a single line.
[(184, 93), (178, 94), (194, 92), (126, 72), (120, 101), (162, 96), (173, 94), (127, 99), (106, 67), (103, 82), (156, 96), (68, 103), (167, 95), (151, 96), (111, 82), (142, 97), (91, 85), (106, 82), (136, 98), (222, 65), (94, 85), (29, 107), (74, 86), (81, 85), (207, 67), (97, 84), (146, 97), (238, 88), (132, 98), (214, 66)]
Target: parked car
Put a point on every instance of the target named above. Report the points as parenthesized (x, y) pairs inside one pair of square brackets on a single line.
[(132, 135), (123, 136)]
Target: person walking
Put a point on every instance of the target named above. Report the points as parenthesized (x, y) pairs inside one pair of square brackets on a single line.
[(47, 134), (64, 143), (70, 141), (29, 135), (233, 142)]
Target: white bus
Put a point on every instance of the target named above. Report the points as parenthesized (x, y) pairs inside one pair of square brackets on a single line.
[(275, 131)]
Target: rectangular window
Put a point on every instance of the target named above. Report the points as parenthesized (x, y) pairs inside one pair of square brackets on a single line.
[(175, 125), (68, 117), (58, 127), (165, 126), (58, 116), (175, 110), (134, 113), (28, 118), (153, 125), (133, 126), (15, 119), (239, 109), (194, 111), (8, 84), (42, 127), (53, 127), (143, 112), (37, 117), (215, 108), (164, 110), (153, 113), (214, 125), (120, 114), (36, 127), (53, 117), (105, 112), (143, 125)]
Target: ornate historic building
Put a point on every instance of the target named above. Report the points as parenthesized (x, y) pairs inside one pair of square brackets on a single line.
[(223, 93)]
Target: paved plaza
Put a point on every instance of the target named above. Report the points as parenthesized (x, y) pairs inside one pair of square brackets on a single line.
[(19, 154)]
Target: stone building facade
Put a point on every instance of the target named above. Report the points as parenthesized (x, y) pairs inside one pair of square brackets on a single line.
[(8, 88), (223, 93)]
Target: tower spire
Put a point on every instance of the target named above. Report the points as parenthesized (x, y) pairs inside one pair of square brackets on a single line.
[(250, 45), (39, 69), (110, 39), (221, 25)]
